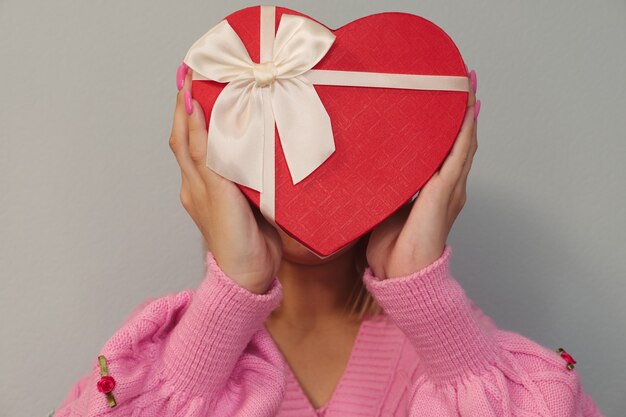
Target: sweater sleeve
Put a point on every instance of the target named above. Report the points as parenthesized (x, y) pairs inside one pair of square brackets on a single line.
[(471, 367), (193, 353)]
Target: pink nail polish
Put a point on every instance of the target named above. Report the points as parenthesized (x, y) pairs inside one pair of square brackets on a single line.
[(476, 109), (474, 81), (181, 73), (180, 77), (188, 105)]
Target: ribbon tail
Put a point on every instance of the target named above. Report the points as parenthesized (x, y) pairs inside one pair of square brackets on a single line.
[(303, 125), (235, 135)]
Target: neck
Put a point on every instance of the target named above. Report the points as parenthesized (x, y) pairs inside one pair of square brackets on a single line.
[(316, 295)]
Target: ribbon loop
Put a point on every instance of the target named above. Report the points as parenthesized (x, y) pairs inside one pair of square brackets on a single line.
[(299, 45), (219, 55)]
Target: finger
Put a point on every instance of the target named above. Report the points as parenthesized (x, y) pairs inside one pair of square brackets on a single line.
[(471, 99), (198, 136), (472, 152), (179, 137), (452, 167), (461, 187)]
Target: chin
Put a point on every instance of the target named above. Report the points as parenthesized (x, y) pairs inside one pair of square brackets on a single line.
[(294, 251)]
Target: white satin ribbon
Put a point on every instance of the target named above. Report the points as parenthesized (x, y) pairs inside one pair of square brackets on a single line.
[(278, 91)]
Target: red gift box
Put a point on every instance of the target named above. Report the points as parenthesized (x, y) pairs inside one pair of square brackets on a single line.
[(391, 128)]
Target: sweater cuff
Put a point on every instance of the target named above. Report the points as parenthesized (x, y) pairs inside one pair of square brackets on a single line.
[(204, 347), (432, 310)]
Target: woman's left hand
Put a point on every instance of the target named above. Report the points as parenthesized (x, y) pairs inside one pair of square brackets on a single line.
[(415, 235)]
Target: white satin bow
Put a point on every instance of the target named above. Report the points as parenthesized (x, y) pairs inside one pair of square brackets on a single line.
[(259, 95)]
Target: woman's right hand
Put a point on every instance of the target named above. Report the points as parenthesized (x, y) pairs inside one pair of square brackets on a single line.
[(245, 245)]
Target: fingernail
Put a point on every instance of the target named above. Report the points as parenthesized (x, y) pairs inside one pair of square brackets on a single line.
[(188, 105), (180, 77), (181, 73), (476, 109), (474, 81)]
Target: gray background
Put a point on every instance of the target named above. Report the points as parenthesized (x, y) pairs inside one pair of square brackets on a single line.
[(90, 218)]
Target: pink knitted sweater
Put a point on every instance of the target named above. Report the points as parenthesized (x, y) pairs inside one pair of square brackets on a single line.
[(432, 353)]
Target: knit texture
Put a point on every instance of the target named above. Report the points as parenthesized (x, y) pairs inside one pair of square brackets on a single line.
[(433, 352)]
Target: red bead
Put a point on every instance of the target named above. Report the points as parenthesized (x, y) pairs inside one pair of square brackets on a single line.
[(567, 357), (106, 384)]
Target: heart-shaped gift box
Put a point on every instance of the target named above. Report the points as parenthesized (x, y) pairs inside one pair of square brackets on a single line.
[(365, 114)]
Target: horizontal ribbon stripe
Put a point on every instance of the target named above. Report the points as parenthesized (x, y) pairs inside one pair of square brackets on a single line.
[(386, 80)]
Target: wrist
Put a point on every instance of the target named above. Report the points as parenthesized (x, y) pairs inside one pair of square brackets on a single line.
[(258, 289), (412, 263)]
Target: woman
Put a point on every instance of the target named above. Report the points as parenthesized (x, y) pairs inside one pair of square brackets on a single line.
[(274, 330)]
